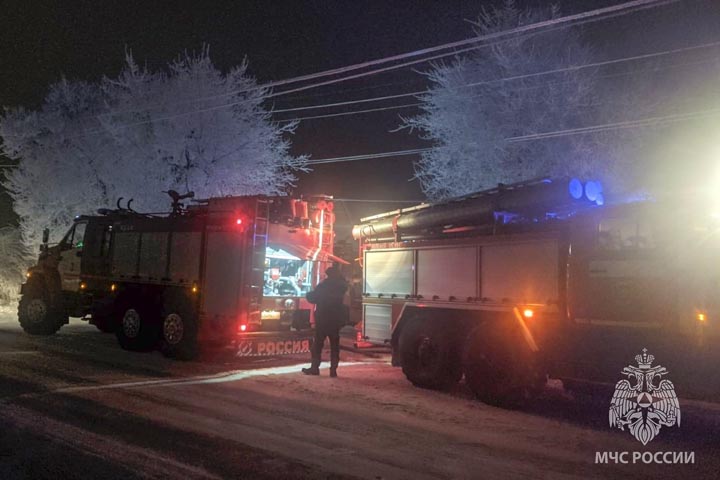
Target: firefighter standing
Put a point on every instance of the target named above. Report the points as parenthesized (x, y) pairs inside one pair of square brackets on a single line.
[(330, 313)]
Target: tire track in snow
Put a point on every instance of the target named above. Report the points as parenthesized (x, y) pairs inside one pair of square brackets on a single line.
[(141, 460)]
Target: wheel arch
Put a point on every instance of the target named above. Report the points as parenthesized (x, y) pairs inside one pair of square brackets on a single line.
[(462, 318), (455, 318), (48, 279)]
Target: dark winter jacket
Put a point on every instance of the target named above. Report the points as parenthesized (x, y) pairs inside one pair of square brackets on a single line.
[(328, 298)]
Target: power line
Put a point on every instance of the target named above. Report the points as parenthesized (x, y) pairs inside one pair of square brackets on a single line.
[(388, 97), (473, 84), (409, 105), (330, 93), (614, 9), (354, 112), (642, 122), (512, 78), (591, 15), (369, 156)]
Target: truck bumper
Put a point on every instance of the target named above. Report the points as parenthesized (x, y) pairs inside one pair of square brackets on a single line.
[(267, 344)]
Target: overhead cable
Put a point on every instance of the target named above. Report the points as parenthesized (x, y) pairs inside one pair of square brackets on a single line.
[(591, 15)]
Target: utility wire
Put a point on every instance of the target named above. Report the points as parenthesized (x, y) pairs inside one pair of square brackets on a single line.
[(329, 93), (409, 94), (353, 112), (409, 105), (591, 15), (473, 84), (604, 63), (642, 122), (369, 156), (614, 9)]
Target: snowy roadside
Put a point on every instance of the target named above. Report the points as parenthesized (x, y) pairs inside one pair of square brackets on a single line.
[(371, 421), (8, 312)]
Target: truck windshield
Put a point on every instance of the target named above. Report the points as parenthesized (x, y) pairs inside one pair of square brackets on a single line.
[(75, 236), (285, 274)]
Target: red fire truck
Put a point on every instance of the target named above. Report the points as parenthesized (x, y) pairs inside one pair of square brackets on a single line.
[(230, 270), (511, 284)]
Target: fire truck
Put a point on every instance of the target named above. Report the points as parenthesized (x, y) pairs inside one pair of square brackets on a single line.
[(542, 278), (217, 272)]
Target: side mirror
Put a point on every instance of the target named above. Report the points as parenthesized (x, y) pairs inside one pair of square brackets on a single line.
[(46, 235)]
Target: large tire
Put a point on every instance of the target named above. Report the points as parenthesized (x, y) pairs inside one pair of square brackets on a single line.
[(37, 314), (137, 324), (179, 327), (499, 367), (430, 353)]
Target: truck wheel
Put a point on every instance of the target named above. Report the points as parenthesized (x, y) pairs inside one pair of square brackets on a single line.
[(430, 355), (179, 327), (498, 367), (136, 327), (36, 312)]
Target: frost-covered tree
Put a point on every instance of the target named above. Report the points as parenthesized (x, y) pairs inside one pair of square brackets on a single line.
[(15, 258), (56, 178), (190, 127), (480, 103)]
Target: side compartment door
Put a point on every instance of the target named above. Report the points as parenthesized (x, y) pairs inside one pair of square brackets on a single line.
[(387, 273), (622, 298), (620, 277)]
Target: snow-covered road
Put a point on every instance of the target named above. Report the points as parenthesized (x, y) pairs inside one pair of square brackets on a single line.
[(227, 419)]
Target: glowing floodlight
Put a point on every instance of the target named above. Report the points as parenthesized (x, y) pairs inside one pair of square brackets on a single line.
[(575, 188), (593, 188)]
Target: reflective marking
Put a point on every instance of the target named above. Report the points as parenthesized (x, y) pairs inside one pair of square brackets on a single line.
[(616, 323), (223, 377)]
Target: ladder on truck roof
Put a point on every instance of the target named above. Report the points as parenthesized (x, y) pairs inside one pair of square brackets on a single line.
[(261, 226)]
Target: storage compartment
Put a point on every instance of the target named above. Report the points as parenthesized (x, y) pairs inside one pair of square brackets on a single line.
[(521, 272), (377, 323), (447, 272), (389, 272)]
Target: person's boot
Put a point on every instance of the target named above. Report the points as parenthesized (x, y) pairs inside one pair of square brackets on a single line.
[(333, 372), (311, 371)]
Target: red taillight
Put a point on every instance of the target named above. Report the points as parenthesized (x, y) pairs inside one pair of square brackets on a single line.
[(243, 327), (528, 313), (238, 221)]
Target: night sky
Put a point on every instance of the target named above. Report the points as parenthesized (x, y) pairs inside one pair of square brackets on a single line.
[(42, 40)]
